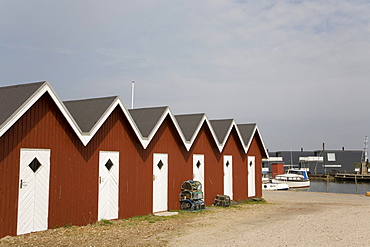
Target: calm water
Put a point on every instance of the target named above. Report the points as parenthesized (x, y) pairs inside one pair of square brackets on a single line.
[(348, 187)]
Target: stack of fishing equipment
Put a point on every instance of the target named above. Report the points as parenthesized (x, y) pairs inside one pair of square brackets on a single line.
[(222, 200), (191, 196)]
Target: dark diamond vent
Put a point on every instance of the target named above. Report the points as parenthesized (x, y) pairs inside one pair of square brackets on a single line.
[(160, 164), (35, 165), (109, 164), (198, 164), (227, 163), (250, 163)]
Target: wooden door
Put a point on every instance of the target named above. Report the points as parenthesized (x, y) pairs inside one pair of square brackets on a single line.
[(108, 185), (160, 182), (228, 175), (33, 200), (251, 176)]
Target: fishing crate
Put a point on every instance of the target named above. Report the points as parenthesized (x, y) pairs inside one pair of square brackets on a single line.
[(192, 195), (191, 185), (222, 200), (192, 205)]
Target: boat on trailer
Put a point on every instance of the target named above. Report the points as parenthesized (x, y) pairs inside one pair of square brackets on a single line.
[(295, 178)]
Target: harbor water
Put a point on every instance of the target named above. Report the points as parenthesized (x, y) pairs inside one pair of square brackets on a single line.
[(348, 187)]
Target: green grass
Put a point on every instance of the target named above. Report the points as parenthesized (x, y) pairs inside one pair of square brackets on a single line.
[(104, 222), (67, 225)]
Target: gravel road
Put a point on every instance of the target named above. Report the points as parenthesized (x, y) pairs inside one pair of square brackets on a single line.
[(289, 218)]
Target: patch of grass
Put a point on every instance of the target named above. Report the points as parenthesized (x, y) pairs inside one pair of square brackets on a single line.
[(149, 218), (104, 222), (67, 225), (251, 201), (257, 200)]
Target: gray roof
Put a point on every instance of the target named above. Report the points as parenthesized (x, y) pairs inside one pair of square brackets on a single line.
[(87, 112), (189, 123), (13, 97), (147, 118), (221, 128), (246, 131)]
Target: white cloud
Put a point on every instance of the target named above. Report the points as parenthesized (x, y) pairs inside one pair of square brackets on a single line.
[(282, 64)]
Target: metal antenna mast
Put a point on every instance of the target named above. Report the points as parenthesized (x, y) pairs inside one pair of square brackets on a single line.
[(132, 94)]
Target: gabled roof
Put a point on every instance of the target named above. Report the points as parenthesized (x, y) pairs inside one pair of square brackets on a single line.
[(222, 128), (28, 95), (248, 131), (87, 116), (190, 124), (88, 112), (146, 119), (149, 120), (12, 99)]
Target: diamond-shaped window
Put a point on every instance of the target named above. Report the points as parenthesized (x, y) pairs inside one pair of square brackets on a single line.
[(250, 163), (198, 164), (160, 164), (109, 164), (227, 163), (35, 165)]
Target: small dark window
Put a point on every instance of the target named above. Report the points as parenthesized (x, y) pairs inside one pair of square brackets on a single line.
[(160, 164), (250, 163), (35, 165), (198, 164), (109, 164), (227, 163)]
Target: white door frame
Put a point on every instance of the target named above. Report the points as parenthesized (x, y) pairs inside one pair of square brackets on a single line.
[(228, 175), (251, 176), (160, 182), (108, 185), (33, 196), (198, 170)]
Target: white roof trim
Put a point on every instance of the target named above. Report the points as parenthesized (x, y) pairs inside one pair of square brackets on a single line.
[(250, 141), (85, 137), (159, 124), (32, 100), (105, 116)]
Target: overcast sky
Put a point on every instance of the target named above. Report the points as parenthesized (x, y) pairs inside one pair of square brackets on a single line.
[(299, 69)]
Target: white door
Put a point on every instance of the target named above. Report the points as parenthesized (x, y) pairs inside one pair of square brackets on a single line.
[(251, 176), (108, 185), (198, 169), (160, 182), (33, 200), (228, 175)]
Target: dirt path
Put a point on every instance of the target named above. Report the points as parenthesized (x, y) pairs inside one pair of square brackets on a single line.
[(294, 219), (288, 219)]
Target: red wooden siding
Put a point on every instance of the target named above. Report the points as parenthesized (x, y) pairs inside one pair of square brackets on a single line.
[(240, 170), (256, 149), (74, 168), (43, 127), (167, 140), (213, 166)]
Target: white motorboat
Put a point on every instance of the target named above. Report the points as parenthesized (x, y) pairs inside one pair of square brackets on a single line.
[(268, 185), (275, 186), (295, 178)]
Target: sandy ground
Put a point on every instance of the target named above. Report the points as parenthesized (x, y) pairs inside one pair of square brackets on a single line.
[(293, 219), (288, 219)]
